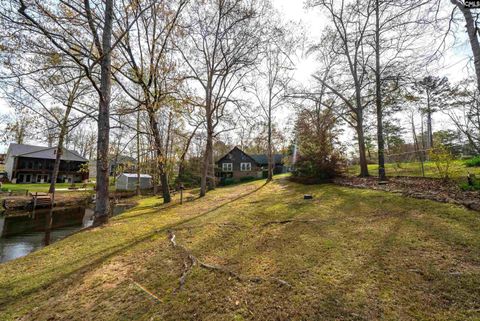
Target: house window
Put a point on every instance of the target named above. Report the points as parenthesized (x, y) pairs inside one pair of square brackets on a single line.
[(245, 167), (227, 167)]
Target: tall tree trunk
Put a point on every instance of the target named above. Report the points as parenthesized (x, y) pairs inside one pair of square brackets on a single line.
[(416, 145), (211, 174), (58, 155), (181, 165), (160, 157), (205, 166), (138, 153), (208, 155), (423, 133), (429, 130), (115, 162), (378, 99), (429, 122), (206, 179), (56, 168), (472, 32), (361, 145), (269, 142), (102, 200)]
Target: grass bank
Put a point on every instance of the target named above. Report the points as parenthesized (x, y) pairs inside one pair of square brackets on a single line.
[(42, 187), (348, 254), (458, 170)]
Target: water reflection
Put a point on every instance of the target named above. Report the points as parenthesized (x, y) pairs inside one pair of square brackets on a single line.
[(23, 233)]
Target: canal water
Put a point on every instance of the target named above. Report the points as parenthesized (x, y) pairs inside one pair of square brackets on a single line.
[(23, 233)]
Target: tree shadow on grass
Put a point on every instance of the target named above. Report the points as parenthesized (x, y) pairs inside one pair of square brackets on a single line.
[(112, 252), (334, 303)]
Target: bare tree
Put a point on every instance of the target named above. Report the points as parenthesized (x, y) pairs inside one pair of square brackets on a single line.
[(18, 122), (464, 112), (81, 33), (433, 92), (473, 34), (149, 66), (220, 48), (350, 28), (273, 75)]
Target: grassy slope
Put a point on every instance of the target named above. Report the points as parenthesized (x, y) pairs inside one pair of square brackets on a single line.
[(458, 170), (365, 255)]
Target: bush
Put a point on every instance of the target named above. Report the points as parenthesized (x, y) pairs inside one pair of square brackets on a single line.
[(318, 158), (467, 187), (247, 178), (319, 168), (472, 184), (190, 175), (443, 158), (473, 162), (227, 181)]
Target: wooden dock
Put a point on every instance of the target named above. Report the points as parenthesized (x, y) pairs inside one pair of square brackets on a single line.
[(40, 200)]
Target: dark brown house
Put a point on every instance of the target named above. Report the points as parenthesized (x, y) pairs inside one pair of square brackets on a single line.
[(237, 164), (34, 164)]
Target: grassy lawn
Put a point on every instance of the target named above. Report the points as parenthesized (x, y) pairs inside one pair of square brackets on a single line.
[(458, 170), (348, 254), (38, 187)]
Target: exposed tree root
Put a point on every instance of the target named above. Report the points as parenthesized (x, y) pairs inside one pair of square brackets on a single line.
[(193, 261), (188, 264)]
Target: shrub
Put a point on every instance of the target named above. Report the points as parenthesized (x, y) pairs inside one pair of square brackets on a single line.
[(467, 187), (227, 181), (189, 174), (319, 167), (247, 178), (473, 162), (318, 158), (443, 158)]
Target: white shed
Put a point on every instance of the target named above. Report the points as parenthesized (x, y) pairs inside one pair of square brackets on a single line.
[(128, 182)]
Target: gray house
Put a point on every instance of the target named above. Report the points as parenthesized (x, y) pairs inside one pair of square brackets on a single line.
[(34, 164), (128, 182), (237, 164)]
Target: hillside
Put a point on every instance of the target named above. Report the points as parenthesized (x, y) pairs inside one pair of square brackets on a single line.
[(259, 252)]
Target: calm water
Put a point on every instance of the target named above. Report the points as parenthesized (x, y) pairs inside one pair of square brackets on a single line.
[(24, 234)]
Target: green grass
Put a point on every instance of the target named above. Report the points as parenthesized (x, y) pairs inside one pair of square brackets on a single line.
[(39, 187), (458, 170), (349, 254), (473, 162)]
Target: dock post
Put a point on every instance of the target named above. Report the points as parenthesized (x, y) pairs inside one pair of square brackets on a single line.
[(34, 204)]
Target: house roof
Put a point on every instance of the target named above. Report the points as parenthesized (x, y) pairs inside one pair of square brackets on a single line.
[(129, 175), (262, 159), (231, 151), (122, 159), (32, 151)]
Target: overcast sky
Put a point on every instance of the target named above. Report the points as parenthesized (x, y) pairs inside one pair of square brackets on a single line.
[(453, 65)]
